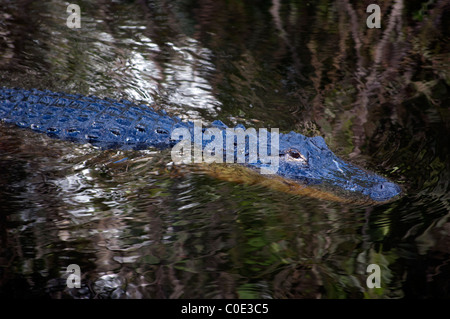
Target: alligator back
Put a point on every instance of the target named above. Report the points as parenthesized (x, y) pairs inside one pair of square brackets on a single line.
[(102, 122)]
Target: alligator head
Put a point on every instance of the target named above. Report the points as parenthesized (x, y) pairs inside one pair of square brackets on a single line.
[(308, 160)]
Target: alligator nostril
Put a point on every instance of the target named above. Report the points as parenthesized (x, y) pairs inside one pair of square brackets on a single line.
[(384, 191)]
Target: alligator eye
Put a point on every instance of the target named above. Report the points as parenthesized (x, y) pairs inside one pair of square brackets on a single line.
[(294, 155)]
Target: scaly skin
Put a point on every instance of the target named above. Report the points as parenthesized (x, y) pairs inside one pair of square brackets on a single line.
[(303, 161)]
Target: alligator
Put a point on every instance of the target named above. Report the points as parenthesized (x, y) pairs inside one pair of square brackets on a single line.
[(305, 164)]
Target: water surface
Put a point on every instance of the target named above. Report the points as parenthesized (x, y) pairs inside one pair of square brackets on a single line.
[(140, 228)]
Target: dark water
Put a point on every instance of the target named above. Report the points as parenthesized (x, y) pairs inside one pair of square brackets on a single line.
[(140, 228)]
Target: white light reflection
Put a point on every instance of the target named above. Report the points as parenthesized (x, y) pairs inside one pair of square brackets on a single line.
[(186, 76), (177, 73)]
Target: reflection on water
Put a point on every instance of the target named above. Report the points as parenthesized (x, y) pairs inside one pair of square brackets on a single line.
[(139, 227)]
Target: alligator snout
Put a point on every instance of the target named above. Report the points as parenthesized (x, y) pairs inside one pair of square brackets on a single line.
[(384, 191)]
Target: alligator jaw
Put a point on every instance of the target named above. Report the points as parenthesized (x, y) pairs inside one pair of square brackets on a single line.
[(247, 175)]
